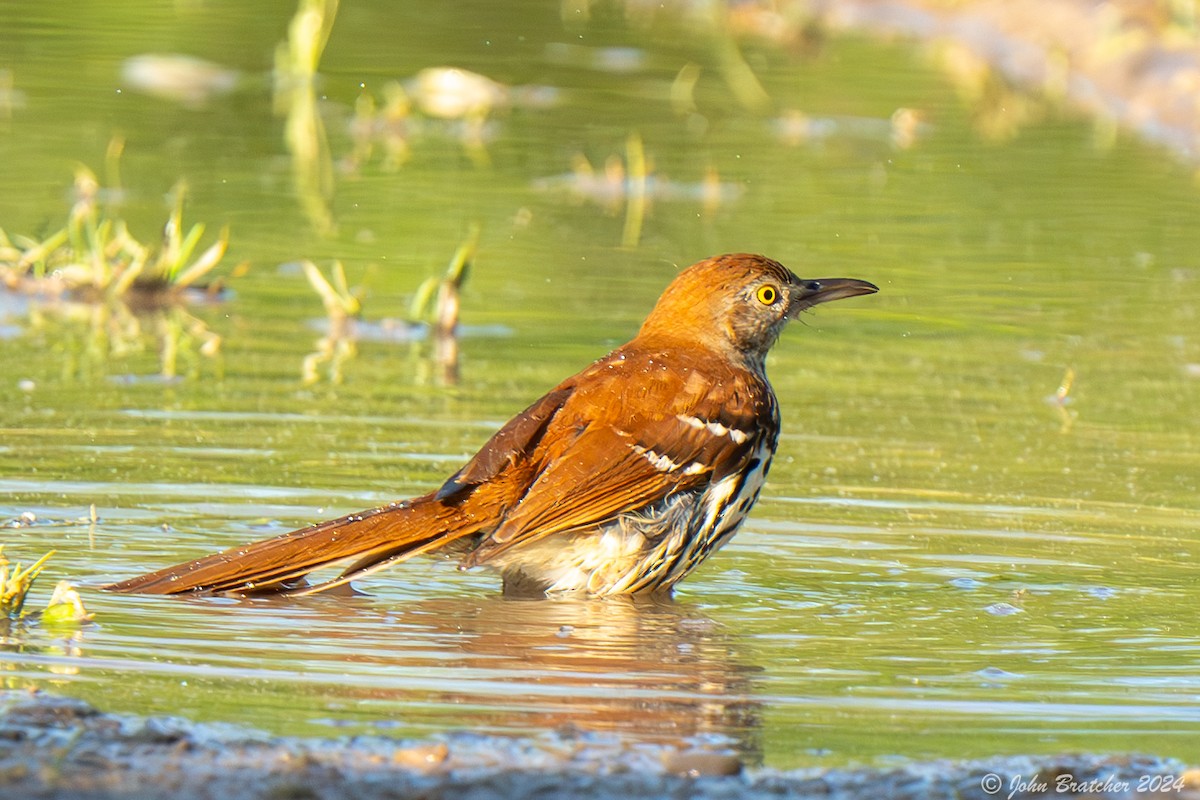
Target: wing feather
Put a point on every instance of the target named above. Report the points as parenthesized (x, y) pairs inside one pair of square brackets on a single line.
[(595, 468), (510, 445)]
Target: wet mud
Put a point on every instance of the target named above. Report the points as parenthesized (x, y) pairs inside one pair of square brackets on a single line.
[(58, 747)]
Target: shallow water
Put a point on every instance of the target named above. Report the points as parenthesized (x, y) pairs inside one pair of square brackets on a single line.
[(949, 558)]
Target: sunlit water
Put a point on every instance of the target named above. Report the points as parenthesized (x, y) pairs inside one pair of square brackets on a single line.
[(952, 556)]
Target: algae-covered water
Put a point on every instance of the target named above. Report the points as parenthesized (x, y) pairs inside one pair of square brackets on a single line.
[(980, 534)]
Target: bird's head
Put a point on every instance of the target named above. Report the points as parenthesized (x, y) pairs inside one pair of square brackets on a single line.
[(739, 303)]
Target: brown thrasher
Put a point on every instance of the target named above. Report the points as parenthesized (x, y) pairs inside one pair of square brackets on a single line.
[(622, 479)]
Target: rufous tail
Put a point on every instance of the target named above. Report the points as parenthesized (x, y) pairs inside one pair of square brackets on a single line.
[(376, 539)]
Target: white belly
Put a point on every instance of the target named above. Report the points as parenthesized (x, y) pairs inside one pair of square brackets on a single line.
[(643, 552)]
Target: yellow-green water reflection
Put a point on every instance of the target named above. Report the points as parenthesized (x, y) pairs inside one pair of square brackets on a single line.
[(952, 557)]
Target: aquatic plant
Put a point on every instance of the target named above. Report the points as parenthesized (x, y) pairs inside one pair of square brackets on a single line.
[(341, 306), (95, 270), (298, 57), (94, 256), (295, 99), (432, 314), (339, 300), (436, 299), (15, 584), (65, 605)]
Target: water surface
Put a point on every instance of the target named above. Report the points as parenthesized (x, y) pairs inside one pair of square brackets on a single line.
[(952, 557)]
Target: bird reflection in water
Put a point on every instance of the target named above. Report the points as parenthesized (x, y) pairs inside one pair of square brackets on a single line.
[(649, 670)]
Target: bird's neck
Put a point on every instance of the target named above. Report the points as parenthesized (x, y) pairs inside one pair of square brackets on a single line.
[(711, 356)]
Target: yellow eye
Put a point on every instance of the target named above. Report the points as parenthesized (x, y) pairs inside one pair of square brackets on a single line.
[(768, 295)]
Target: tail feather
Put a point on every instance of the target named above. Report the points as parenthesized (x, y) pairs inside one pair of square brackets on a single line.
[(376, 538)]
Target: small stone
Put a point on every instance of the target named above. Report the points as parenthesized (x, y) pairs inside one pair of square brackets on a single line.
[(1003, 610), (698, 763), (421, 756)]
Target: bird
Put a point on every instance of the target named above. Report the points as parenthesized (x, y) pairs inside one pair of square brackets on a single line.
[(621, 480)]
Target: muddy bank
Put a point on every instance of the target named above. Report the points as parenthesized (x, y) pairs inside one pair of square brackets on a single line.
[(1128, 64), (56, 747)]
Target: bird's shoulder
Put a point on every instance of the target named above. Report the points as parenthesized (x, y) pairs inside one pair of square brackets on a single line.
[(647, 383)]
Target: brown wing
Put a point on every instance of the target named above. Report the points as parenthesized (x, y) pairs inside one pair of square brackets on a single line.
[(508, 446), (603, 458), (375, 538)]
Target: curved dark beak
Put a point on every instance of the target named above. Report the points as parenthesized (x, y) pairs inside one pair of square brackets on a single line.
[(808, 293)]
